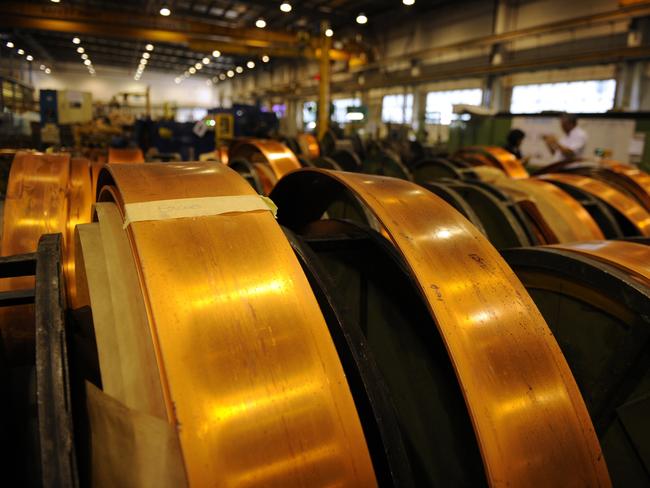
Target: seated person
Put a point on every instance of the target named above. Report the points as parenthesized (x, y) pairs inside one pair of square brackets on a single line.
[(513, 142)]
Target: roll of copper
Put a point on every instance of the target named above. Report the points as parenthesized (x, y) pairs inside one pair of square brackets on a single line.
[(498, 158), (309, 145), (628, 207), (530, 421), (273, 153), (80, 200), (46, 193), (555, 213), (251, 379), (628, 179), (125, 155), (629, 257)]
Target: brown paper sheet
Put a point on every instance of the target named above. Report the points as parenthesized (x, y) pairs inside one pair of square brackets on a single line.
[(131, 449)]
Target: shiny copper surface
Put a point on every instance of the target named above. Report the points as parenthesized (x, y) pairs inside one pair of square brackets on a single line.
[(628, 256), (125, 155), (632, 180), (530, 421), (562, 214), (309, 145), (250, 375), (278, 156), (635, 213), (499, 158), (508, 162), (80, 200), (36, 203)]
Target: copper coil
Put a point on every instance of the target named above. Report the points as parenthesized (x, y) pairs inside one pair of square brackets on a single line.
[(629, 257), (632, 181), (529, 418), (272, 153), (555, 214), (309, 145), (46, 193), (628, 207), (125, 155), (249, 373), (496, 157)]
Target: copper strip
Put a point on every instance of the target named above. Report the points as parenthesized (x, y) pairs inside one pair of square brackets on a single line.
[(309, 145), (278, 156), (630, 257), (632, 180), (250, 375), (563, 215), (35, 204), (499, 158), (530, 420), (125, 155), (636, 214), (80, 200)]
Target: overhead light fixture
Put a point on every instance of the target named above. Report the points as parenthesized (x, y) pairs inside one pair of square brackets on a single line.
[(21, 52), (265, 59), (84, 56), (80, 50), (329, 32), (30, 57), (76, 40), (146, 55), (250, 64), (208, 82), (10, 44), (87, 62), (408, 2), (216, 53), (55, 1), (177, 81), (42, 67), (222, 76), (239, 69), (48, 71), (165, 12), (286, 7), (230, 73), (192, 70), (143, 62), (362, 19), (205, 60), (260, 23), (198, 66), (149, 47)]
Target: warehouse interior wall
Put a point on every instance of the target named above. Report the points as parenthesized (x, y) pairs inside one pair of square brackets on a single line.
[(398, 48), (193, 93)]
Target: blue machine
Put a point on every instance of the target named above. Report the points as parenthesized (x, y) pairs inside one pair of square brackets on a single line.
[(49, 107), (168, 136)]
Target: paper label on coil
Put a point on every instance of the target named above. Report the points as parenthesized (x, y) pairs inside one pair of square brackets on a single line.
[(195, 207)]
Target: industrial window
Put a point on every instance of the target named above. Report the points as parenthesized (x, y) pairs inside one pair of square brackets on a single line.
[(440, 104), (341, 109), (576, 96), (309, 115), (397, 109)]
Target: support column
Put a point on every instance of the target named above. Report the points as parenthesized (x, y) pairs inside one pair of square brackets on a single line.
[(324, 85)]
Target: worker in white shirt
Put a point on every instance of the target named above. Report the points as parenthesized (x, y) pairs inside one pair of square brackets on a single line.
[(571, 145)]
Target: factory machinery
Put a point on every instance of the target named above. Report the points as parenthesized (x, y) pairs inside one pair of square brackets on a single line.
[(276, 321)]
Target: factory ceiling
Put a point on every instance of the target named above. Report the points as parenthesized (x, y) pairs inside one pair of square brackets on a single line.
[(116, 33)]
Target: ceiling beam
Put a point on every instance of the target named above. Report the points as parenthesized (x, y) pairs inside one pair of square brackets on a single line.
[(137, 20), (198, 36)]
